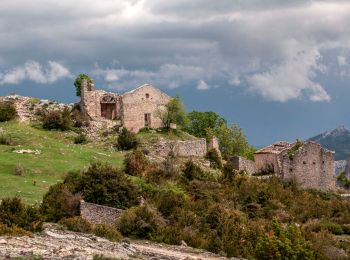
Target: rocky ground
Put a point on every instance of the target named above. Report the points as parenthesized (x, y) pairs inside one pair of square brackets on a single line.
[(55, 243)]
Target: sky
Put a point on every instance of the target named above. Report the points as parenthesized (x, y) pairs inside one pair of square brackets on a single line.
[(280, 69)]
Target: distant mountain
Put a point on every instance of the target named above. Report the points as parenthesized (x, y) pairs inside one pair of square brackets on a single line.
[(337, 140)]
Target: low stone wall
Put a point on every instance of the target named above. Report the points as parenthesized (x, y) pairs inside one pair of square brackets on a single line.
[(196, 148), (243, 164), (98, 214)]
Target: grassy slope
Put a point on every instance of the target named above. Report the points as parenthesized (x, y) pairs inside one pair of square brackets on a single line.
[(58, 156)]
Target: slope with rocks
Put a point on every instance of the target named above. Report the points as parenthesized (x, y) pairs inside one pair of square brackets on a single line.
[(56, 243)]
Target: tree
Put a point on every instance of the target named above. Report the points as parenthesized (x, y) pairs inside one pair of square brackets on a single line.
[(173, 113), (78, 81), (200, 122), (234, 142)]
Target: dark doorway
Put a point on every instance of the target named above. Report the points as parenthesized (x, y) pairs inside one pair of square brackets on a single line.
[(108, 111), (148, 120)]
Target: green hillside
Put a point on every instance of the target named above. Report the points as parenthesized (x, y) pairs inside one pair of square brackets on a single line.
[(58, 155)]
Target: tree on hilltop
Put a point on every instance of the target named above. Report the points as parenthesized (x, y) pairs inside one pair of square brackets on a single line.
[(78, 81)]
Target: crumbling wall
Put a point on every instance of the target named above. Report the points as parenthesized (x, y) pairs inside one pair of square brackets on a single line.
[(196, 148), (243, 164), (267, 162), (311, 166), (91, 99), (214, 144), (143, 100), (98, 214)]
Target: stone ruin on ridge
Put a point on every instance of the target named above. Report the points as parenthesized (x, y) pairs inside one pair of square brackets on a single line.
[(308, 163), (135, 109)]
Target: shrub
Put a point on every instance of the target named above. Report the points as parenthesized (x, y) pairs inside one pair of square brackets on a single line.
[(168, 202), (192, 171), (13, 231), (107, 231), (59, 202), (344, 181), (79, 119), (76, 224), (5, 140), (58, 120), (19, 170), (141, 221), (135, 163), (127, 140), (7, 111), (66, 123), (14, 213), (284, 243), (334, 228), (52, 120), (214, 158), (80, 139), (105, 185)]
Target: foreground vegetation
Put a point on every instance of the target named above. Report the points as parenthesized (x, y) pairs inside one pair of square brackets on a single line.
[(227, 213)]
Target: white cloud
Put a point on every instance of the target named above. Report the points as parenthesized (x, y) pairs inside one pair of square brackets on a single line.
[(175, 44), (342, 61), (34, 71), (202, 85), (293, 79)]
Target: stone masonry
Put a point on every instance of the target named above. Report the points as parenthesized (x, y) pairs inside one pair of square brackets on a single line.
[(310, 165), (196, 148), (98, 214), (243, 164), (135, 109)]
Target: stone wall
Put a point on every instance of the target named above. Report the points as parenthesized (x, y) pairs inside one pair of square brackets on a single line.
[(214, 144), (98, 214), (267, 162), (143, 100), (243, 164), (311, 166), (91, 101), (196, 148)]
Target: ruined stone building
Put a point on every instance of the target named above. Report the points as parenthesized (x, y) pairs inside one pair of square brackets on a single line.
[(135, 109), (308, 163)]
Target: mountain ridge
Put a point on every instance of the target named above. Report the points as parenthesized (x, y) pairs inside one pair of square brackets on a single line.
[(337, 140)]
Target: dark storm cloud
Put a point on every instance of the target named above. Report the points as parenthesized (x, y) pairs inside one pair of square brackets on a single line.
[(270, 48)]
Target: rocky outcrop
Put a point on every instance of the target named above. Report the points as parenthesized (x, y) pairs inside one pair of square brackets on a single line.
[(27, 107), (56, 243)]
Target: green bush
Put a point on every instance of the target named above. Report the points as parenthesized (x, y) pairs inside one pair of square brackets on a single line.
[(80, 139), (76, 224), (105, 185), (59, 202), (344, 181), (214, 158), (7, 111), (19, 170), (59, 120), (284, 243), (107, 231), (13, 231), (79, 119), (334, 228), (14, 213), (192, 171), (141, 221), (135, 163), (5, 140), (52, 120), (127, 140)]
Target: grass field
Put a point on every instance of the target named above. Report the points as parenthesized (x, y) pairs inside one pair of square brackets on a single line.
[(58, 156)]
